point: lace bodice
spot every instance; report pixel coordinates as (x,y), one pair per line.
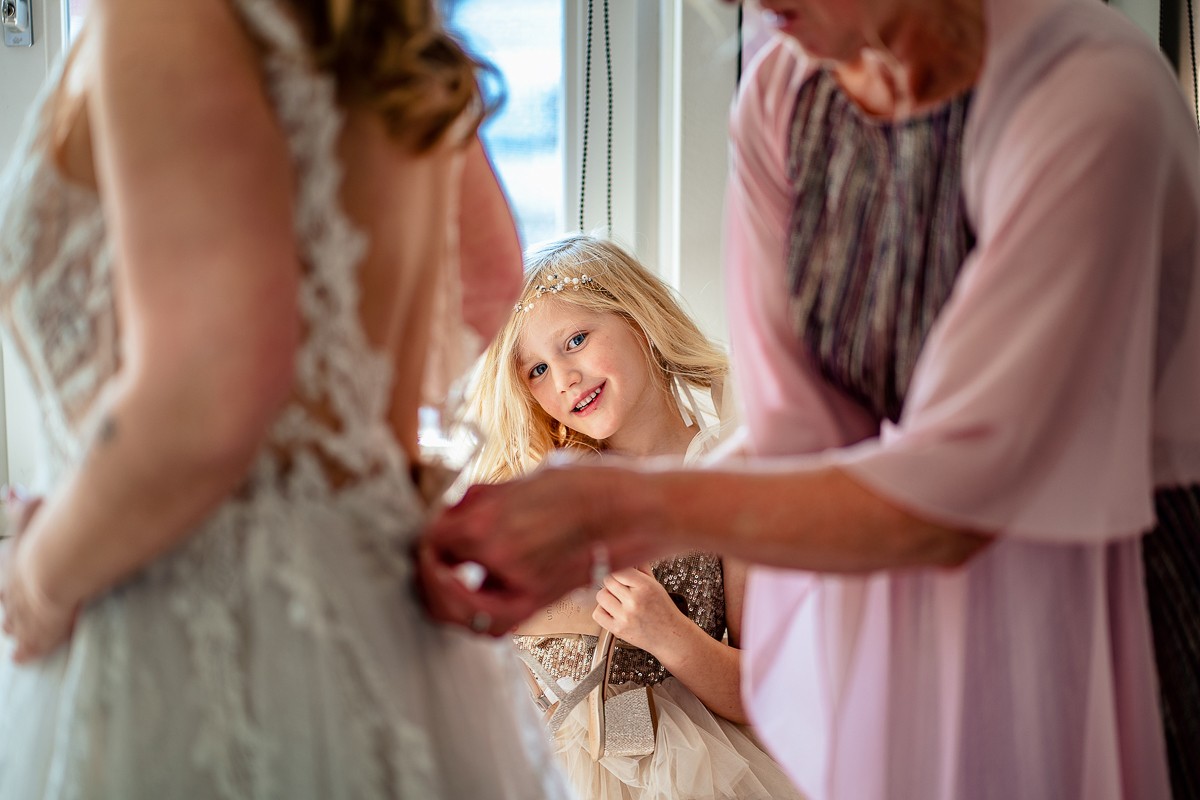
(56,290)
(695,582)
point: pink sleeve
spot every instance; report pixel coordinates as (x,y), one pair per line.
(1031,411)
(787,408)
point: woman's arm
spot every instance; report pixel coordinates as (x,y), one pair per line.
(843,526)
(537,535)
(195,184)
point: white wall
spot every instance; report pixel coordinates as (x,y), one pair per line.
(23,69)
(699,77)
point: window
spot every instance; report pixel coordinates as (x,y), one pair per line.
(523,39)
(672,67)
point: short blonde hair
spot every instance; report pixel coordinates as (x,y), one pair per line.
(518,434)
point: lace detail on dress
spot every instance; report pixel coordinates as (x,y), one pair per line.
(336,363)
(228,745)
(55,286)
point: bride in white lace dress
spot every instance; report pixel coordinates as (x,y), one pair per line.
(229,261)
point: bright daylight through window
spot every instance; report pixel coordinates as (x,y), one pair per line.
(523,39)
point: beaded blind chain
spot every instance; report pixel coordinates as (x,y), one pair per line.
(587,108)
(1192,43)
(1170,42)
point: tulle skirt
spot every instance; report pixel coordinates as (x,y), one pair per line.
(697,756)
(282,655)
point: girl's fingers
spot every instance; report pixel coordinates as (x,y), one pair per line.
(630,576)
(620,585)
(607,601)
(603,618)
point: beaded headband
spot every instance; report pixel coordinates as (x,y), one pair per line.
(560,283)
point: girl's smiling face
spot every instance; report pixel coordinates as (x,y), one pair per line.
(590,371)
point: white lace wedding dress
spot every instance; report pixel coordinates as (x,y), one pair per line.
(279,653)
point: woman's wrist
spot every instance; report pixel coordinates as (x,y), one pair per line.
(672,495)
(642,519)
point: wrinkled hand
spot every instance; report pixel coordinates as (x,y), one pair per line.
(636,608)
(37,625)
(535,536)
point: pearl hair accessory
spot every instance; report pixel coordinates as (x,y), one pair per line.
(560,283)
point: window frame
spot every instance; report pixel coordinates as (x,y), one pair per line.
(670,138)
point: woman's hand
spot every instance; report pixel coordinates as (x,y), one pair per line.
(636,608)
(538,539)
(36,624)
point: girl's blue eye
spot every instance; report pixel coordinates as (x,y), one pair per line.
(576,340)
(537,371)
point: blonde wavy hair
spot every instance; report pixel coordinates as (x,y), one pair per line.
(394,57)
(518,434)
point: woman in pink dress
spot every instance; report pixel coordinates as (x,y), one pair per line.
(963,246)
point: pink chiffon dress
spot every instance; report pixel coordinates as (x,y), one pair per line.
(989,314)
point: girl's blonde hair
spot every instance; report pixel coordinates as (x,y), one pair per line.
(394,57)
(518,434)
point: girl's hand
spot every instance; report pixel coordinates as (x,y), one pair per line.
(37,625)
(636,608)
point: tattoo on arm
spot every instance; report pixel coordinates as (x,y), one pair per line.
(106,432)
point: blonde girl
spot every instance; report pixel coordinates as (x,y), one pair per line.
(599,357)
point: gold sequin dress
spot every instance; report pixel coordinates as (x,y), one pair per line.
(698,755)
